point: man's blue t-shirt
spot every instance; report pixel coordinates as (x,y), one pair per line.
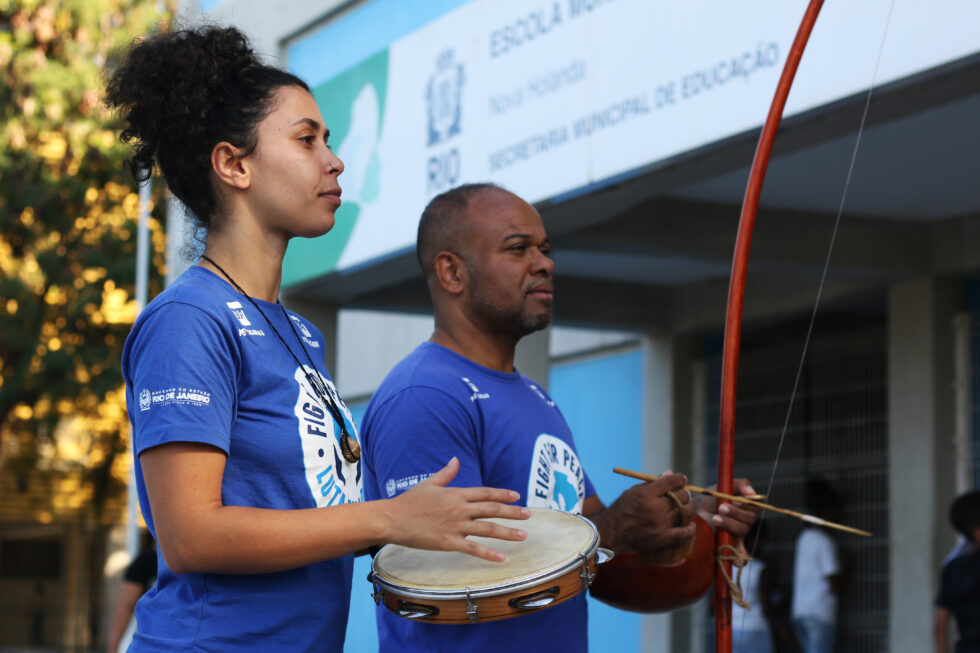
(202,365)
(507,433)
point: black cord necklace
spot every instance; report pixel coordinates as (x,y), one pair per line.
(348,445)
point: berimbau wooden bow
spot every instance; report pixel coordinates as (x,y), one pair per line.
(733,316)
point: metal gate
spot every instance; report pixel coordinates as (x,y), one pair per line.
(837,430)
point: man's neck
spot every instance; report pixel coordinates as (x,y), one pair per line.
(493,352)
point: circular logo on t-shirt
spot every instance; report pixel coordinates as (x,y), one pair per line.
(557,480)
(331,478)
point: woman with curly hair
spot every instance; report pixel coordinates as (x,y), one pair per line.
(247,460)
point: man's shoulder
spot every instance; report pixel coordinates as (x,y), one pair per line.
(967,563)
(427,368)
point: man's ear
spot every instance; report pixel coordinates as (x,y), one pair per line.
(450,271)
(229,167)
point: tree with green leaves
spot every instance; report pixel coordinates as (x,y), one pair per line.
(68,232)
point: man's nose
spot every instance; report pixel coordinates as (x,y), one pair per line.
(543,264)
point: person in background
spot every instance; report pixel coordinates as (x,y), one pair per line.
(38,611)
(751,628)
(959,585)
(139,576)
(247,461)
(817,573)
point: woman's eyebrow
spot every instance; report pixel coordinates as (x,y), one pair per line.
(315,124)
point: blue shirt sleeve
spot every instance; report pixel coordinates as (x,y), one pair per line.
(183,370)
(414,434)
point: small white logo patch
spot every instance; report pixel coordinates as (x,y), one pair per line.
(476,391)
(236,309)
(543,396)
(307,336)
(393,486)
(176,395)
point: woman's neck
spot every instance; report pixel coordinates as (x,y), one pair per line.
(252,264)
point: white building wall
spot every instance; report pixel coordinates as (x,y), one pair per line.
(370,343)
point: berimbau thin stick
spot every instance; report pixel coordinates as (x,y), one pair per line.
(730,497)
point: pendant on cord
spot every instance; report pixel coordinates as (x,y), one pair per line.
(349,448)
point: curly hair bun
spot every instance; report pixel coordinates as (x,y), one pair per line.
(180,93)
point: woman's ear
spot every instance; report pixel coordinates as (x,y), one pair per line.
(450,270)
(228,165)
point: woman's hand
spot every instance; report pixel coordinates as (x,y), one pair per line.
(432,516)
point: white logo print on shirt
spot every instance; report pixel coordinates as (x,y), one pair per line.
(307,336)
(544,398)
(331,479)
(239,313)
(236,308)
(556,480)
(476,391)
(178,395)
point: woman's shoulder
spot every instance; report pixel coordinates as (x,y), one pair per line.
(197,290)
(196,301)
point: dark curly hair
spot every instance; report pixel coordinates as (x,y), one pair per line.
(181,93)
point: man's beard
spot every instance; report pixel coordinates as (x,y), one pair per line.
(520,321)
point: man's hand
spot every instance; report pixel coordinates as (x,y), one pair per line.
(644,518)
(736,518)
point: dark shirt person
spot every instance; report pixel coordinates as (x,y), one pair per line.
(139,576)
(959,586)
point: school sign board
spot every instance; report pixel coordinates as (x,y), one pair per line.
(545,97)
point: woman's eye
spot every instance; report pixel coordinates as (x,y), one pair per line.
(307,139)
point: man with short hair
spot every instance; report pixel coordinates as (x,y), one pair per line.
(486,259)
(959,584)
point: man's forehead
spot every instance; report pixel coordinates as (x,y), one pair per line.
(500,213)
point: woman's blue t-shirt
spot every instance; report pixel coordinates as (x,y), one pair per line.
(203,365)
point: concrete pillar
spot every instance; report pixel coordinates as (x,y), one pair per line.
(369,344)
(667,444)
(963,386)
(533,357)
(921,428)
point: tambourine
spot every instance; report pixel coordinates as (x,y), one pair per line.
(555,562)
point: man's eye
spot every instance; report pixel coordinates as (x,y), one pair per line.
(307,139)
